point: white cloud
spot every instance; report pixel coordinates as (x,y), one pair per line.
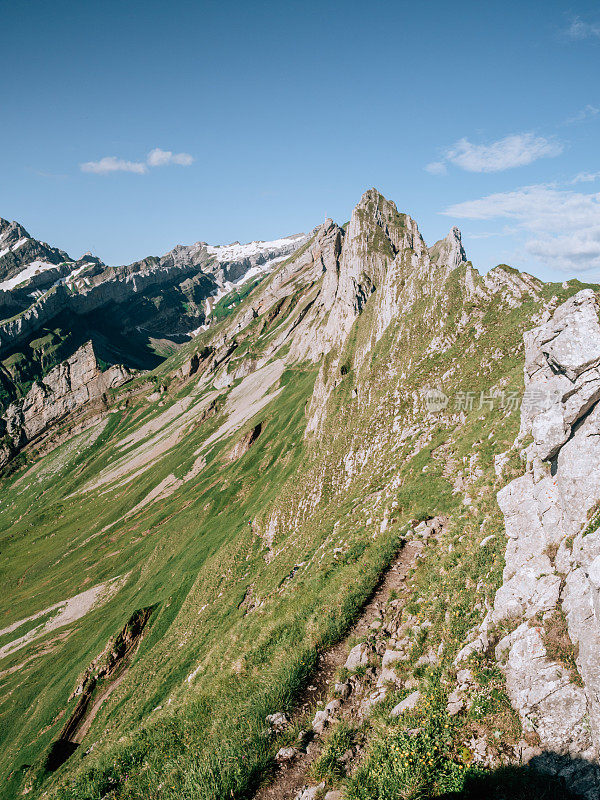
(589,112)
(160,158)
(579,29)
(579,250)
(516,150)
(155,158)
(436,168)
(486,234)
(113,164)
(561,227)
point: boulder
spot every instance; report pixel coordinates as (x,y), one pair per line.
(455,703)
(278,721)
(343,690)
(357,657)
(321,721)
(310,792)
(408,704)
(286,754)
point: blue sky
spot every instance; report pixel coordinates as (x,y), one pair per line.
(126,128)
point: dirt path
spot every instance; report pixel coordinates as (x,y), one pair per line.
(289,779)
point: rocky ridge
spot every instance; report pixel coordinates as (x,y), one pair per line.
(450,250)
(344,340)
(51,304)
(90,285)
(549,596)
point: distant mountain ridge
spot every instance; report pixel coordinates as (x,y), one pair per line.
(134,314)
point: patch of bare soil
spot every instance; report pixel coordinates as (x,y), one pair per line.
(66,612)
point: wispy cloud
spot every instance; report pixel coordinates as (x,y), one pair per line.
(436,168)
(516,150)
(155,158)
(561,227)
(580,29)
(587,113)
(487,234)
(586,177)
(113,164)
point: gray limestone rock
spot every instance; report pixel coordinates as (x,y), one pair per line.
(552,560)
(66,388)
(357,657)
(407,704)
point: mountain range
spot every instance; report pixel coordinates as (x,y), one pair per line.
(308,518)
(50,303)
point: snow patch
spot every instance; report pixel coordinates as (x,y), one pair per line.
(236,251)
(76,272)
(27,273)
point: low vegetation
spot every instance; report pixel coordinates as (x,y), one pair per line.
(255,566)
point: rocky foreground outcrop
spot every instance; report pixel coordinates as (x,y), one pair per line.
(66,388)
(549,604)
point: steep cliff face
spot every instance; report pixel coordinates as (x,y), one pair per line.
(549,596)
(69,386)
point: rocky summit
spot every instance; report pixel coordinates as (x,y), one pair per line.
(310,518)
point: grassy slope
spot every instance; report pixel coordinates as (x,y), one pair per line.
(455,579)
(197,556)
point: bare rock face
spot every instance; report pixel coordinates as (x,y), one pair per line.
(562,372)
(376,235)
(67,387)
(552,567)
(449,251)
(511,284)
(246,442)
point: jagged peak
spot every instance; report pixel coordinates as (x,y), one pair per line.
(372,195)
(375,212)
(372,200)
(12,230)
(449,251)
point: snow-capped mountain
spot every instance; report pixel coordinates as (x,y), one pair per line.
(135,314)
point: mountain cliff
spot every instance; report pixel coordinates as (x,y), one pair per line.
(276,565)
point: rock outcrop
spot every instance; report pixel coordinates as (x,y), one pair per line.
(66,388)
(550,593)
(449,251)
